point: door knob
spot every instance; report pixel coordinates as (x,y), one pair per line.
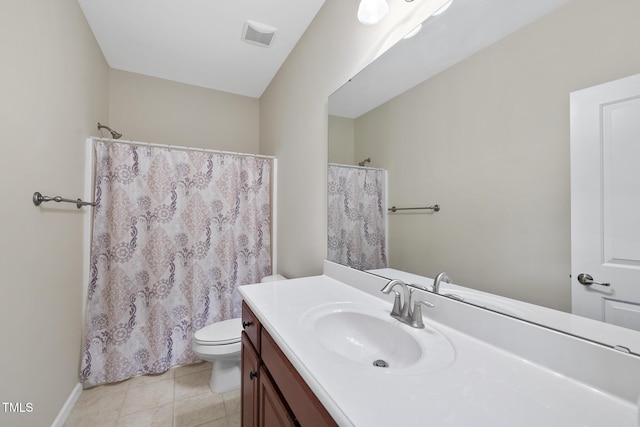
(587,280)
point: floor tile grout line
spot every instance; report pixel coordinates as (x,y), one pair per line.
(119,418)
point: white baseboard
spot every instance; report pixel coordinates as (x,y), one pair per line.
(68,406)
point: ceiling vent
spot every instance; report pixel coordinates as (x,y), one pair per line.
(256,33)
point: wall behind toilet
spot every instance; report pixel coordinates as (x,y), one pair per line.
(150,109)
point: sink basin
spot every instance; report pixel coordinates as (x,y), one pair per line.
(366,336)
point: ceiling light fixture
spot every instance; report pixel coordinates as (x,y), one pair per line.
(371,12)
(443,8)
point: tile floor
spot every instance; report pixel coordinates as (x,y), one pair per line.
(178,398)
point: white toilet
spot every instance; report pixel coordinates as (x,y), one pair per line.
(220,343)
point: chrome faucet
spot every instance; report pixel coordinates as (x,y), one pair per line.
(402,308)
(441,277)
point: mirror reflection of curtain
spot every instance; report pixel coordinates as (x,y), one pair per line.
(356,217)
(174,234)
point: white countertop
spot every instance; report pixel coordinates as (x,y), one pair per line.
(483,386)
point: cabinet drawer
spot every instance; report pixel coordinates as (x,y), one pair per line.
(251,326)
(303,402)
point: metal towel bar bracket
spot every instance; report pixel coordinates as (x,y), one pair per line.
(434,208)
(39,198)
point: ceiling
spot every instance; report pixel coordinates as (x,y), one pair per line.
(198,41)
(465,28)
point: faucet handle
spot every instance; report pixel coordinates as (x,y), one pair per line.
(416,316)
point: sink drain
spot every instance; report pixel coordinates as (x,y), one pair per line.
(380,363)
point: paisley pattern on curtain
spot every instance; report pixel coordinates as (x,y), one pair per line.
(356,217)
(174,234)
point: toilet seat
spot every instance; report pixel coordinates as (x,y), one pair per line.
(220,333)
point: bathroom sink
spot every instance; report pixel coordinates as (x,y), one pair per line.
(365,335)
(366,339)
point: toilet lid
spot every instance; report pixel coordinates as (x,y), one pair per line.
(225,332)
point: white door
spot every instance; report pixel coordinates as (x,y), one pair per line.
(605,202)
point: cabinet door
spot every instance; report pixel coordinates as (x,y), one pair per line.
(299,397)
(249,383)
(273,411)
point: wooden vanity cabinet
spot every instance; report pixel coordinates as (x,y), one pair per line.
(249,388)
(273,411)
(273,393)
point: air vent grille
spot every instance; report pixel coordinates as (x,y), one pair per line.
(256,33)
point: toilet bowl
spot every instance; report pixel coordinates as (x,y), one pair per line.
(220,343)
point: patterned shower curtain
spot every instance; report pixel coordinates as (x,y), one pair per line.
(174,234)
(356,217)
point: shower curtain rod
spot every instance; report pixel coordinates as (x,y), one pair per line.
(182,148)
(356,167)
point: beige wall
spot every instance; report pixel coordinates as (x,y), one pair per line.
(341,139)
(149,109)
(293,118)
(54,85)
(488,140)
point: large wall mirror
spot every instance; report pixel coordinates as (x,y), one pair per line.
(472,113)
